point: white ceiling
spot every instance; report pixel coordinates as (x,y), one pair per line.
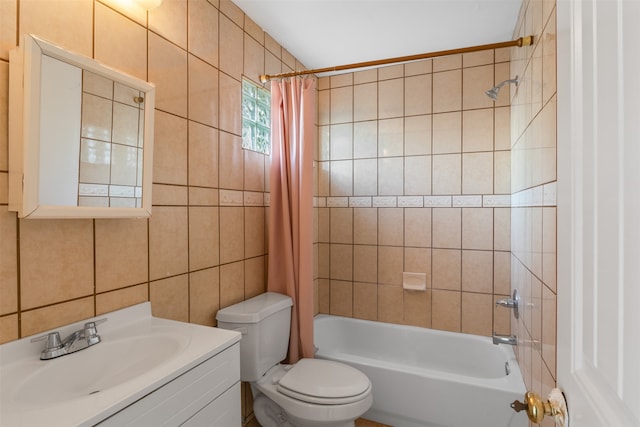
(327,33)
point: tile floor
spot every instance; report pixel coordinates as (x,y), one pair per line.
(360,422)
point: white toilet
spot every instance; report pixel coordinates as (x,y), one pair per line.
(312,392)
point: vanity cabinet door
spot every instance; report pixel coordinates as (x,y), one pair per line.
(222,412)
(176,402)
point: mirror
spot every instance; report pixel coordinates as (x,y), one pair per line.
(80,136)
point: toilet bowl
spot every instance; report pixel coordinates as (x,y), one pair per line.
(309,393)
(315,392)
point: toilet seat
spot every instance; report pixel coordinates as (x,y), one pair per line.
(324,382)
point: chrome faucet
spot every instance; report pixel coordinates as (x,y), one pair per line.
(78,340)
(505,339)
(513,303)
(507,303)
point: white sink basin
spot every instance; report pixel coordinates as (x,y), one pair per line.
(98,368)
(138,354)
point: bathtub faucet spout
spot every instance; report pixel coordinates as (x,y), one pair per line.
(505,339)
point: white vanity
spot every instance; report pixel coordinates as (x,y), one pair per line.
(146,371)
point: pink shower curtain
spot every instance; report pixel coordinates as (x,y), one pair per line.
(291,208)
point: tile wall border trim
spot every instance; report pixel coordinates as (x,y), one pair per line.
(541,195)
(243,198)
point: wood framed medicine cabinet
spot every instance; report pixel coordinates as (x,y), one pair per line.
(80,136)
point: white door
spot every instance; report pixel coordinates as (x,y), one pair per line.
(599,211)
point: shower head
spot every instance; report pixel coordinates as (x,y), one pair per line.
(493,92)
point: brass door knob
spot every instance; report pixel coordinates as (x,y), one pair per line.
(537,408)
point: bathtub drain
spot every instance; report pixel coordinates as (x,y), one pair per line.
(507,369)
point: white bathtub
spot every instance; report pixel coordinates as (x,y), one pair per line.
(423,377)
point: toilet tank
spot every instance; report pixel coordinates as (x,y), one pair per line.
(264,321)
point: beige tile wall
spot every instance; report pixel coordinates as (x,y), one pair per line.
(204,246)
(413,169)
(533,178)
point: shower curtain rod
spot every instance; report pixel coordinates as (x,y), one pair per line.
(522,41)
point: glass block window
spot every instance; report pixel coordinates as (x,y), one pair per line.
(256,118)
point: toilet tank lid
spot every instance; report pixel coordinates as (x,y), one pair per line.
(254,309)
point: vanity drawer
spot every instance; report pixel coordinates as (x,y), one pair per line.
(222,412)
(177,401)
